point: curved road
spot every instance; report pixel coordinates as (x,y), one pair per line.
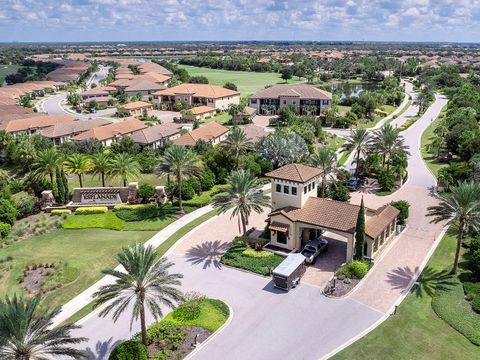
(302,324)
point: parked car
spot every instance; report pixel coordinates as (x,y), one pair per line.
(354,183)
(313,249)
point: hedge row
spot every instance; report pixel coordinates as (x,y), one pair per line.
(101,221)
(91,210)
(61,212)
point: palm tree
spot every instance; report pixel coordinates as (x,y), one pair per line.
(145,283)
(101,164)
(180,162)
(461,207)
(26,331)
(236,144)
(77,164)
(46,164)
(243,196)
(356,141)
(387,142)
(326,160)
(125,167)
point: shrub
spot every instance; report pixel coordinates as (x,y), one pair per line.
(256,254)
(146,212)
(354,269)
(128,207)
(403,206)
(8,212)
(472,294)
(146,191)
(129,350)
(60,212)
(195,184)
(169,335)
(4,230)
(386,181)
(339,192)
(207,179)
(187,190)
(24,203)
(91,210)
(187,311)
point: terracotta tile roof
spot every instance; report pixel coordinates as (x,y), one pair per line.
(202,110)
(295,172)
(330,214)
(36,122)
(100,99)
(7,100)
(100,90)
(207,132)
(105,132)
(14,110)
(155,133)
(302,91)
(143,85)
(379,222)
(153,67)
(254,132)
(278,226)
(124,76)
(136,105)
(8,117)
(72,128)
(198,90)
(155,77)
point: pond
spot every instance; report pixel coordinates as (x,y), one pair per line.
(347,89)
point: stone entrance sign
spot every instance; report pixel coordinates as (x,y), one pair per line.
(100,196)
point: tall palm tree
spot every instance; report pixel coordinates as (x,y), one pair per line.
(179,162)
(26,332)
(326,160)
(46,164)
(236,143)
(145,283)
(243,196)
(357,141)
(387,141)
(77,164)
(461,207)
(101,164)
(124,166)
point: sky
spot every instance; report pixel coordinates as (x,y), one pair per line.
(184,20)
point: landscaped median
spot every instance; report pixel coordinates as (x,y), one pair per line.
(178,333)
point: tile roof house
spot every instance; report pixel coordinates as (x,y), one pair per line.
(134,108)
(298,214)
(211,132)
(30,125)
(201,112)
(109,134)
(191,95)
(156,135)
(142,86)
(254,132)
(99,91)
(303,98)
(61,132)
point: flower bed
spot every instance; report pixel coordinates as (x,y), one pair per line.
(262,264)
(346,278)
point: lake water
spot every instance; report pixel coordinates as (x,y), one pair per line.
(347,90)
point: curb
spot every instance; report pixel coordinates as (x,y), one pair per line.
(211,337)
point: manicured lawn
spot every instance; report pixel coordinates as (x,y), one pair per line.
(107,220)
(343,159)
(7,70)
(221,118)
(90,180)
(213,314)
(264,265)
(161,250)
(334,142)
(416,332)
(88,250)
(247,82)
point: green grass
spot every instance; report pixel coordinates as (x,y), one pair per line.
(160,251)
(334,142)
(106,220)
(343,110)
(343,159)
(264,266)
(428,157)
(221,118)
(7,70)
(416,332)
(247,82)
(212,316)
(88,250)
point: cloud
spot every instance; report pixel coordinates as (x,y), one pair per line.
(78,20)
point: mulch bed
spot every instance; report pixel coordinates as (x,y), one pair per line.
(33,278)
(341,288)
(187,347)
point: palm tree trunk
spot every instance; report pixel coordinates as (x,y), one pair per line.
(179,182)
(103,179)
(51,178)
(80,179)
(459,246)
(244,224)
(358,159)
(143,324)
(124,182)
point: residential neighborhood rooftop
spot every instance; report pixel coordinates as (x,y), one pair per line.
(199,90)
(302,91)
(206,132)
(110,131)
(295,172)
